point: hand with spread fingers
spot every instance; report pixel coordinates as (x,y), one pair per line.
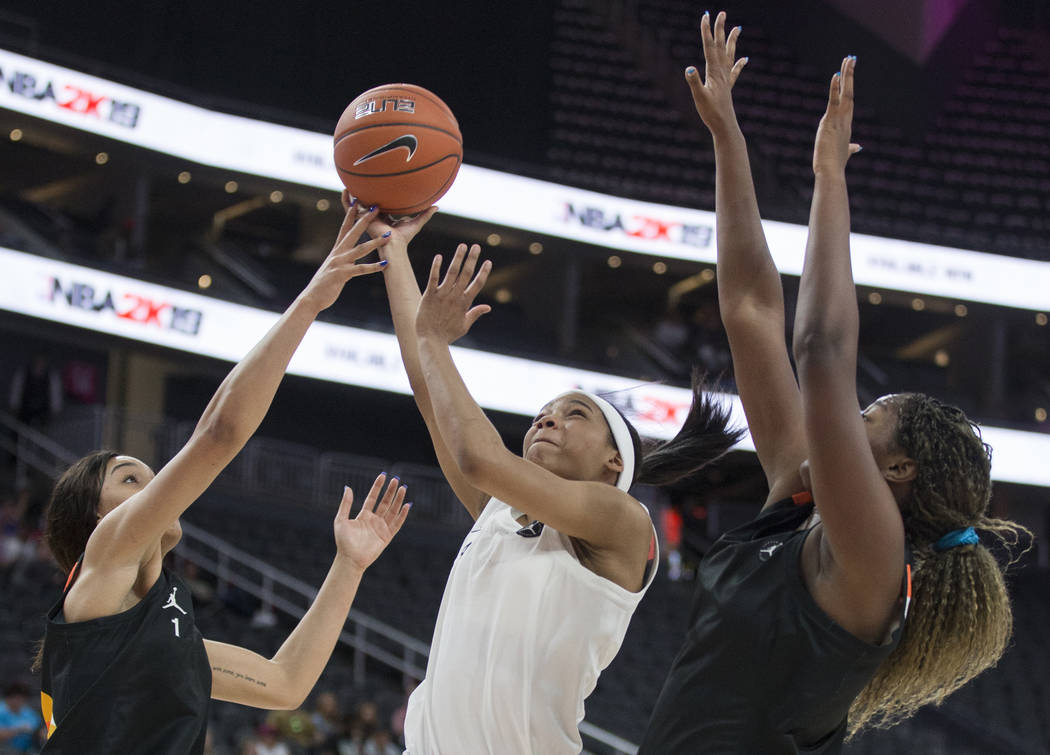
(342,262)
(446,310)
(833,146)
(713,95)
(363,537)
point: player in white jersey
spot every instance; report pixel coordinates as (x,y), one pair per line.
(546,581)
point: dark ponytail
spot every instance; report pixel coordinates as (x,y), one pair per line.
(72,512)
(704,438)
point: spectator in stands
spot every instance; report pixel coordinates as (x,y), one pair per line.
(296,727)
(327,719)
(671,331)
(20,725)
(124,667)
(267,741)
(540,596)
(796,635)
(381,743)
(397,718)
(36,392)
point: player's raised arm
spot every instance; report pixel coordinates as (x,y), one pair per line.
(863,531)
(750,295)
(404,295)
(284,681)
(131,533)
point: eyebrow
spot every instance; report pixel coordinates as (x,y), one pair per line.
(582,403)
(122,464)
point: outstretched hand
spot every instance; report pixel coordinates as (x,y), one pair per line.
(341,264)
(713,96)
(364,537)
(833,146)
(446,309)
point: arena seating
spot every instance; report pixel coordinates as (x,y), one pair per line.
(976,178)
(404,588)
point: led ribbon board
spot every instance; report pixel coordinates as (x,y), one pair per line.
(250,146)
(128,308)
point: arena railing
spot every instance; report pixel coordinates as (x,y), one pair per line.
(282,470)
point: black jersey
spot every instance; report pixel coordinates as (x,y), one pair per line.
(763,669)
(134,682)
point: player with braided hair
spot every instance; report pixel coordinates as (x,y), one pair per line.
(960,619)
(807,624)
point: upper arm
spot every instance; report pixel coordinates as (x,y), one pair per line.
(125,535)
(239,675)
(597,513)
(863,530)
(768,392)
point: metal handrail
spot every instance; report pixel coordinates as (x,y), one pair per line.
(361,624)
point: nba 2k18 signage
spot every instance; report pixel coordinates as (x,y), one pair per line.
(129,308)
(244,145)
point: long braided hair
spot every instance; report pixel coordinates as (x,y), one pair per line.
(960,618)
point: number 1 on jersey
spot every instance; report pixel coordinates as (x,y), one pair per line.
(175,621)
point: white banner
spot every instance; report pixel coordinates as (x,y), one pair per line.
(145,312)
(288,154)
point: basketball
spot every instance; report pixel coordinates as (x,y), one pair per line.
(398,146)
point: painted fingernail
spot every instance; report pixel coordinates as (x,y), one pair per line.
(354,202)
(690,70)
(408,505)
(386,235)
(384,263)
(746,59)
(372,208)
(739,29)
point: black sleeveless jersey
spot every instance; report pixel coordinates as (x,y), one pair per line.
(763,670)
(134,682)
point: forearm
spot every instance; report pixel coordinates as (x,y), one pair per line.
(244,397)
(827,316)
(305,653)
(463,426)
(404,295)
(746,273)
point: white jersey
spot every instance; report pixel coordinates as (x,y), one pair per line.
(523,631)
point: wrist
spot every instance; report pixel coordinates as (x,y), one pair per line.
(829,173)
(395,247)
(307,303)
(346,565)
(726,130)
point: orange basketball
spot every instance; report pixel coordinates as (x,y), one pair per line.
(398,146)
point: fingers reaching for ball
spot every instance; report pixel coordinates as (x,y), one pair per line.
(447,309)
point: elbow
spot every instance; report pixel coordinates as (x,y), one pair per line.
(218,433)
(474,463)
(291,701)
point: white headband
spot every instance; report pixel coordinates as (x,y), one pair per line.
(621,436)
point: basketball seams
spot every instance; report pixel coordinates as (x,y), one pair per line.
(414,124)
(414,185)
(401,172)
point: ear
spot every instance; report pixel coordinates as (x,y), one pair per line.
(900,469)
(615,462)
